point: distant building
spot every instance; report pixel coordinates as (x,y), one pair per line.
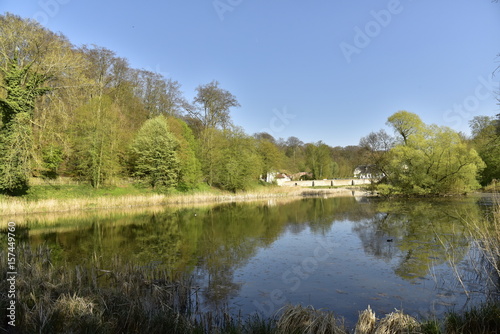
(278,177)
(368,172)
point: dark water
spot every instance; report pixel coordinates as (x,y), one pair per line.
(340,254)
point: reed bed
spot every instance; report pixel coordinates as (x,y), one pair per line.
(17,206)
(486,232)
(120,297)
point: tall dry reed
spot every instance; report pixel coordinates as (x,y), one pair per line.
(18,206)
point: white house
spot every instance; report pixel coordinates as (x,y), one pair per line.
(280,178)
(368,172)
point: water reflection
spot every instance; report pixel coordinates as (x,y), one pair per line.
(256,257)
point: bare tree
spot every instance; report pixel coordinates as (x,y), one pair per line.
(212,106)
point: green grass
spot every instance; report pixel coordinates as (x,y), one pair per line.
(40,192)
(478,320)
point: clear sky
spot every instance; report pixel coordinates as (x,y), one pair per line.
(330,70)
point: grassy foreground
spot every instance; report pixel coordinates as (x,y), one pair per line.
(64,198)
(126,298)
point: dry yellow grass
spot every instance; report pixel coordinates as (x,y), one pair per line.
(366,322)
(307,320)
(16,206)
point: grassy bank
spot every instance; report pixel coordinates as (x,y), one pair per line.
(127,298)
(64,198)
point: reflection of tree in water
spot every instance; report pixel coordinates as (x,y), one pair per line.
(232,234)
(374,236)
(216,241)
(160,240)
(421,234)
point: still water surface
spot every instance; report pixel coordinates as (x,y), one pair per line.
(340,254)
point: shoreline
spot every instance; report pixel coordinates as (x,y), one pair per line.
(20,206)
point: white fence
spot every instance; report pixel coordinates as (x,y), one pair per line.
(326,183)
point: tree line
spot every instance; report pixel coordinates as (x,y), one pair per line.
(83,112)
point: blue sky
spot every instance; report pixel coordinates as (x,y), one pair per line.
(330,70)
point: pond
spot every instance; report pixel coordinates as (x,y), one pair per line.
(340,254)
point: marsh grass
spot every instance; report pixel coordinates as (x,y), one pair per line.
(481,320)
(299,319)
(122,297)
(80,201)
(486,236)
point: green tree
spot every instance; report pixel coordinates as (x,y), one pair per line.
(486,140)
(52,158)
(271,156)
(190,174)
(320,161)
(16,155)
(294,151)
(95,157)
(212,105)
(236,161)
(406,124)
(154,157)
(32,60)
(432,160)
(348,158)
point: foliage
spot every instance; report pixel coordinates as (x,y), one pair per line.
(272,157)
(154,157)
(16,143)
(95,148)
(236,164)
(52,157)
(430,159)
(486,139)
(405,124)
(190,174)
(483,319)
(320,161)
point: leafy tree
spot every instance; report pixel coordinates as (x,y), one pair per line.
(107,115)
(433,160)
(271,156)
(348,158)
(486,139)
(236,161)
(52,157)
(406,124)
(154,157)
(190,174)
(16,155)
(211,113)
(319,160)
(95,157)
(295,152)
(32,59)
